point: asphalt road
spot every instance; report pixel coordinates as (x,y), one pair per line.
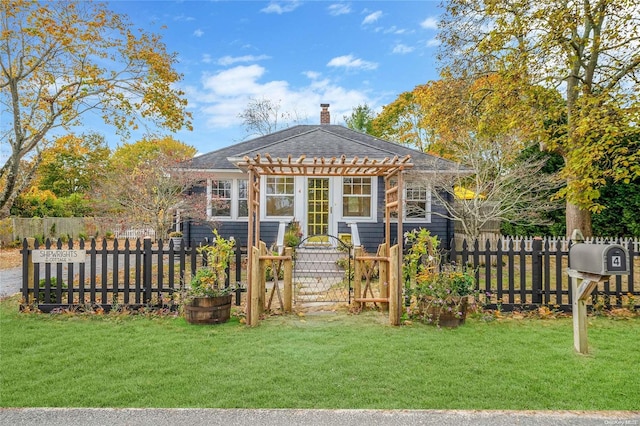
(173,417)
(10,281)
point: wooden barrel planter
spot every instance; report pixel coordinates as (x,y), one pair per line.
(208,310)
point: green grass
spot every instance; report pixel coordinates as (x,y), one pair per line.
(324,361)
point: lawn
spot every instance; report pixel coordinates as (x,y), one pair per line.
(314,361)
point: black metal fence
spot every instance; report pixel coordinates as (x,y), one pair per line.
(518,273)
(133,273)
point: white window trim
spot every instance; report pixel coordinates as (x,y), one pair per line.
(235,197)
(263,200)
(373,214)
(427,216)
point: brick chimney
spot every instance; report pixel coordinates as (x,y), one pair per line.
(325,117)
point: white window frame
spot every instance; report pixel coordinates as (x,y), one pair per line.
(263,198)
(238,199)
(373,208)
(210,198)
(405,199)
(234,200)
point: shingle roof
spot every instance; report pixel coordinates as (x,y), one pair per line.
(317,141)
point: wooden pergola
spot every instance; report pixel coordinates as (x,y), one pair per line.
(390,168)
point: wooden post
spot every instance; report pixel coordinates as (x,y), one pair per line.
(288,280)
(357,277)
(253,312)
(28,267)
(394,298)
(581,288)
(383,276)
(262,291)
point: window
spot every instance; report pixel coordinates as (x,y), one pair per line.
(280,196)
(243,195)
(417,201)
(356,197)
(221,198)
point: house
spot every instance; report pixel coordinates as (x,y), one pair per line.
(323,203)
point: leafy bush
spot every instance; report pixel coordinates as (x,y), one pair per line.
(52,294)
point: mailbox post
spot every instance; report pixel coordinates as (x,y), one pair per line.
(591,264)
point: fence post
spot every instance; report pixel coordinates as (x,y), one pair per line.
(536,273)
(383,274)
(238,264)
(28,244)
(357,277)
(395,307)
(147,268)
(288,281)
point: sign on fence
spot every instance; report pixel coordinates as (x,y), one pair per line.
(58,256)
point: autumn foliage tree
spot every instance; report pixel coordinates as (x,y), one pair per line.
(73,164)
(587,50)
(485,129)
(146,184)
(62,60)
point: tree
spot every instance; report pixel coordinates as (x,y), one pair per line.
(263,116)
(147,150)
(589,50)
(361,119)
(493,185)
(147,186)
(401,122)
(481,126)
(62,60)
(73,164)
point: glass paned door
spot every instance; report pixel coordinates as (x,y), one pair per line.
(318,208)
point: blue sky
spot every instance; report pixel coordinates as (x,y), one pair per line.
(297,53)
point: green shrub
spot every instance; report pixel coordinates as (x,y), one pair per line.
(52,293)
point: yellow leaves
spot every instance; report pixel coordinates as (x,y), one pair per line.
(58,44)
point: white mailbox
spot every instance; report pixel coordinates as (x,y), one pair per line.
(599,259)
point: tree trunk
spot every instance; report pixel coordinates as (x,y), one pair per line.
(578,219)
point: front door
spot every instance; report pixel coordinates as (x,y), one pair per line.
(318,210)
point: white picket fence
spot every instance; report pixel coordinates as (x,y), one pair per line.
(136,233)
(553,242)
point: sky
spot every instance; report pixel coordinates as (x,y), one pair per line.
(297,54)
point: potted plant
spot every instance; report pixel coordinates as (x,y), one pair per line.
(176,237)
(207,300)
(293,234)
(443,296)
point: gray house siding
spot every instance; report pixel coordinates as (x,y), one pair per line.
(323,141)
(371,233)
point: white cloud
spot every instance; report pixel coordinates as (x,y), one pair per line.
(183,18)
(206,58)
(349,61)
(402,49)
(281,7)
(198,33)
(312,75)
(230,60)
(430,23)
(434,42)
(372,17)
(224,95)
(339,9)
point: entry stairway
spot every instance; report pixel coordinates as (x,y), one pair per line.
(317,276)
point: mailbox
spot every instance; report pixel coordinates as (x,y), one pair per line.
(599,259)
